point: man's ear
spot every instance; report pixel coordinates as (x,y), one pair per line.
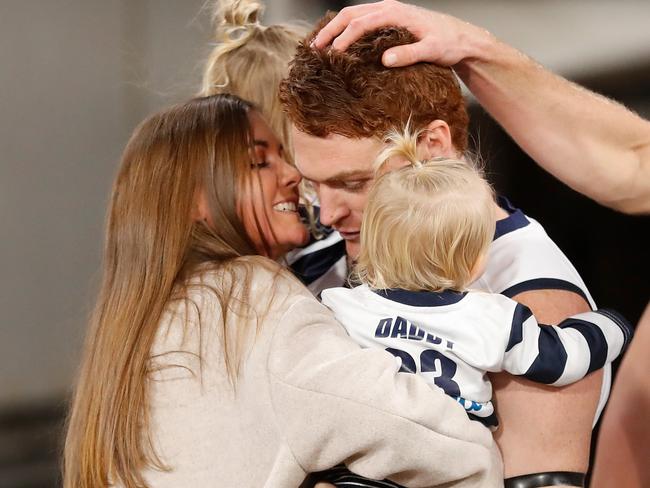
(435,141)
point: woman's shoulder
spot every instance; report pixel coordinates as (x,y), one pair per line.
(250,285)
(256,276)
(251,295)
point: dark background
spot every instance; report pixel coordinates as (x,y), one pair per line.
(608,249)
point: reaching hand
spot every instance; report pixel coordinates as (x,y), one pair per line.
(442,39)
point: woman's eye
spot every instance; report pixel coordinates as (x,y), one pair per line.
(260,165)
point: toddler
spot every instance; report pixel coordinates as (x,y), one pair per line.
(424,239)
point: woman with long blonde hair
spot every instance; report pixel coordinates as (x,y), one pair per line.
(207,364)
(249,59)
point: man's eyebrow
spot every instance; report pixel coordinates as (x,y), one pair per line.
(260,142)
(350,175)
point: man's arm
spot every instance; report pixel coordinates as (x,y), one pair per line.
(545,428)
(592,144)
(623,448)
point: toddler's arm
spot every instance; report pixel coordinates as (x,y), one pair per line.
(562,354)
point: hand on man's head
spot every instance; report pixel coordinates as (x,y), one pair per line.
(443,39)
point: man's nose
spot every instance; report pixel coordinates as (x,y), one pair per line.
(332,208)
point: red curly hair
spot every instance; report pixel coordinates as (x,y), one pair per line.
(352,94)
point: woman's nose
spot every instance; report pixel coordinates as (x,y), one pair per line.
(290,175)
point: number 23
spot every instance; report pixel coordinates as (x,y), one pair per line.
(431,361)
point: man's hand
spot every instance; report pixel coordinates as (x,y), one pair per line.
(442,39)
(595,146)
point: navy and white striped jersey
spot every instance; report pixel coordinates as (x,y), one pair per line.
(322,263)
(452,339)
(522,257)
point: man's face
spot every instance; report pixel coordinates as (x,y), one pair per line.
(340,170)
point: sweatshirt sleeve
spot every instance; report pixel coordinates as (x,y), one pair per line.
(562,354)
(337,403)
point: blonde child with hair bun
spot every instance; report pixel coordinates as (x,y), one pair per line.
(250,59)
(424,238)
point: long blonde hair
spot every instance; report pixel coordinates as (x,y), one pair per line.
(153,246)
(250,60)
(427,224)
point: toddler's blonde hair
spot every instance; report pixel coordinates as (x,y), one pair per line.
(427,224)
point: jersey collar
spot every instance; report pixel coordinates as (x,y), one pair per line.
(515,220)
(422,298)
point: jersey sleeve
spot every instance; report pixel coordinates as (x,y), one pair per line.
(562,354)
(321,264)
(337,403)
(523,258)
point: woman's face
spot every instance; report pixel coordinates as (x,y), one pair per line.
(269,204)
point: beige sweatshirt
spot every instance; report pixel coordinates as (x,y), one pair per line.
(306,398)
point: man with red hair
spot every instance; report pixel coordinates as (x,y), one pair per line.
(599,148)
(342,105)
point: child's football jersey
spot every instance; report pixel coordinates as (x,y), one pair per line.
(452,339)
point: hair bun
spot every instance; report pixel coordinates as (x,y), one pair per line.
(231,16)
(236,22)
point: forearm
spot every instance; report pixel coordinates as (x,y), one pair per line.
(623,449)
(592,144)
(561,355)
(546,428)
